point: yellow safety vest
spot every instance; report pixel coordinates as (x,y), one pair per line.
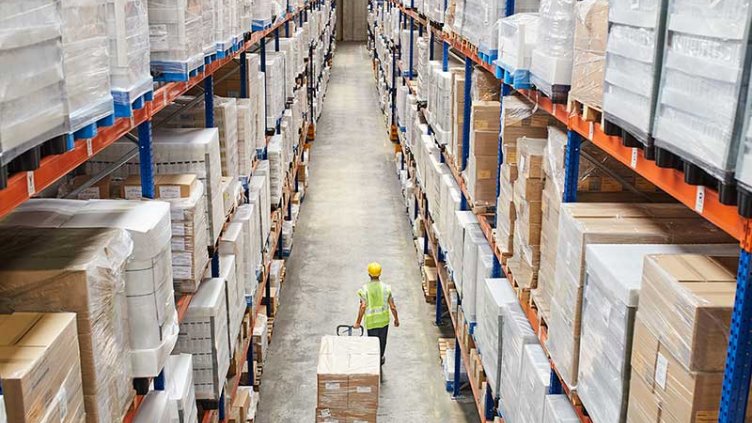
(376,296)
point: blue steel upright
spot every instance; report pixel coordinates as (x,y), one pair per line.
(439,296)
(466,112)
(146,162)
(738,370)
(445,57)
(457,362)
(243,76)
(572,166)
(430,44)
(159,381)
(412,46)
(209,101)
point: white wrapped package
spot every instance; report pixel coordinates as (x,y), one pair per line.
(535,378)
(178,374)
(226,119)
(558,409)
(275,86)
(464,221)
(189,240)
(498,294)
(610,299)
(483,272)
(552,58)
(203,334)
(262,14)
(175,37)
(516,333)
(246,136)
(232,242)
(156,407)
(30,113)
(247,216)
(274,152)
(152,317)
(474,240)
(288,47)
(128,31)
(208,27)
(261,184)
(225,22)
(259,95)
(234,298)
(518,35)
(86,63)
(449,202)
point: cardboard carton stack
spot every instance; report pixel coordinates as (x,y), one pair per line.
(348,379)
(178,373)
(589,60)
(482,165)
(582,224)
(527,196)
(40,367)
(78,271)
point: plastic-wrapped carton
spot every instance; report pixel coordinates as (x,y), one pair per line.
(589,62)
(176,36)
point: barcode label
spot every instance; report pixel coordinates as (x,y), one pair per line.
(700,199)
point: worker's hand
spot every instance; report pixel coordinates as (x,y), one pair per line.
(396,323)
(356,325)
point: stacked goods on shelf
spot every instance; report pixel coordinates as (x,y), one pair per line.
(248,217)
(527,200)
(551,67)
(41,368)
(259,191)
(275,87)
(583,224)
(274,152)
(518,35)
(128,32)
(152,317)
(30,115)
(464,222)
(260,338)
(155,407)
(178,374)
(287,229)
(743,165)
(245,17)
(610,300)
(558,409)
(176,38)
(287,47)
(449,203)
(680,336)
(516,333)
(232,191)
(535,379)
(348,377)
(458,116)
(243,405)
(408,54)
(589,60)
(185,193)
(493,297)
(246,136)
(519,119)
(78,271)
(482,164)
(234,293)
(476,256)
(633,68)
(85,63)
(423,53)
(262,14)
(203,334)
(208,27)
(225,21)
(707,50)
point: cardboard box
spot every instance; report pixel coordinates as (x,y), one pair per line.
(485,115)
(348,376)
(40,367)
(589,59)
(166,187)
(689,300)
(100,190)
(241,405)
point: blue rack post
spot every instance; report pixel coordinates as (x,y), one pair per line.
(243,76)
(738,369)
(445,57)
(262,67)
(457,360)
(572,166)
(146,163)
(410,59)
(467,110)
(439,293)
(430,44)
(209,101)
(159,382)
(221,405)
(276,39)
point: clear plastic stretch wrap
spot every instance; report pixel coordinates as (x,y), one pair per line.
(611,294)
(277,173)
(262,14)
(79,271)
(464,221)
(348,378)
(128,31)
(558,409)
(226,119)
(535,378)
(680,338)
(552,58)
(245,17)
(86,62)
(178,374)
(30,114)
(176,35)
(518,35)
(247,217)
(259,190)
(275,87)
(260,96)
(234,295)
(516,332)
(496,295)
(260,336)
(589,65)
(582,224)
(288,47)
(225,20)
(449,203)
(246,136)
(152,317)
(189,232)
(203,334)
(707,51)
(155,407)
(633,64)
(208,26)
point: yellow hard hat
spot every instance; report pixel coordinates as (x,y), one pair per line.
(374,270)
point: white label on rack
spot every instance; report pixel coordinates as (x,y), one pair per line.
(661,369)
(591,130)
(30,183)
(332,386)
(89,148)
(700,199)
(633,160)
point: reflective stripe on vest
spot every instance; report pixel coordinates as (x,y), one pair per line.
(376,296)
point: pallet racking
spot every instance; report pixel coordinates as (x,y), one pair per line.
(704,201)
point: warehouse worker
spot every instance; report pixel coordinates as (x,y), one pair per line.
(374,298)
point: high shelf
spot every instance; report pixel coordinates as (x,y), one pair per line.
(702,200)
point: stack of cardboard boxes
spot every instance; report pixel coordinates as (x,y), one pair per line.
(348,379)
(482,165)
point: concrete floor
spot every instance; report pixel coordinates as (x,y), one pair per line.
(353,214)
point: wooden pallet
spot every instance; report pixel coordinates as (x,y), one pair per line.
(588,112)
(430,298)
(523,294)
(270,328)
(444,345)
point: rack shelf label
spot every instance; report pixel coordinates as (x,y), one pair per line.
(700,199)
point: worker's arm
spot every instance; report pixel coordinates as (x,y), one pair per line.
(393,307)
(361,313)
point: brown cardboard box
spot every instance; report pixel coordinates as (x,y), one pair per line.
(167,187)
(589,59)
(530,157)
(241,404)
(485,143)
(431,279)
(690,299)
(99,191)
(78,271)
(40,366)
(485,115)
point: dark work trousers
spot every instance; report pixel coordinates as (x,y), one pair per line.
(381,334)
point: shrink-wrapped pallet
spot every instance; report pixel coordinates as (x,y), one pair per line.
(176,37)
(464,221)
(262,14)
(225,21)
(582,224)
(248,217)
(275,87)
(30,114)
(260,194)
(495,295)
(178,374)
(276,166)
(483,165)
(518,35)
(128,32)
(473,249)
(516,333)
(246,136)
(234,297)
(558,409)
(155,407)
(551,66)
(614,279)
(535,379)
(589,60)
(449,204)
(203,333)
(79,271)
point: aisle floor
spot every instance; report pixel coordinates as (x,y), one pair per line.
(353,214)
